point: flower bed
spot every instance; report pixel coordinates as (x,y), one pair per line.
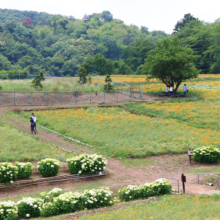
(8,210)
(156,188)
(97,198)
(8,173)
(206,154)
(29,207)
(86,164)
(24,170)
(49,196)
(65,203)
(48,167)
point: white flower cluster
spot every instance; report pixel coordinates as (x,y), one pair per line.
(8,173)
(24,170)
(49,196)
(206,154)
(8,210)
(48,167)
(87,164)
(158,187)
(29,205)
(97,198)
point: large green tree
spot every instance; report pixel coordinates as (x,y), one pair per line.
(170,63)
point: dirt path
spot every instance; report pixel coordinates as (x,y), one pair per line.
(119,175)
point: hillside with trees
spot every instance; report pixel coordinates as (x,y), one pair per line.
(58,45)
(31,42)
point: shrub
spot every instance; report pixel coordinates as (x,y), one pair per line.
(8,173)
(8,210)
(24,170)
(158,187)
(65,203)
(48,167)
(97,198)
(55,89)
(49,196)
(206,154)
(29,207)
(86,164)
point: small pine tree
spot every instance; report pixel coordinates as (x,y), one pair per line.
(90,80)
(108,86)
(36,82)
(82,75)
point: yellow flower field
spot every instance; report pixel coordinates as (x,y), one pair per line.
(116,132)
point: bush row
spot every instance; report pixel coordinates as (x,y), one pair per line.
(83,164)
(55,202)
(156,188)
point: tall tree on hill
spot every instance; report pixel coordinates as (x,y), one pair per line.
(170,63)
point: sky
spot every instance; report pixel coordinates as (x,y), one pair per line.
(154,14)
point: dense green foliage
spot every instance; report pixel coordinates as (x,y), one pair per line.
(34,41)
(170,63)
(59,45)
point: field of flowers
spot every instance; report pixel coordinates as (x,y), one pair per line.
(118,133)
(169,207)
(198,113)
(21,147)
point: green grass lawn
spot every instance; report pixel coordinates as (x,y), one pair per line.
(18,146)
(118,133)
(169,207)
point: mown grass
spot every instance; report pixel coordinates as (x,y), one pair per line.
(18,146)
(119,133)
(169,207)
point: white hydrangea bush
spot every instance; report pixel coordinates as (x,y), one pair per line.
(48,167)
(156,188)
(8,173)
(97,198)
(65,203)
(87,164)
(8,210)
(29,207)
(24,170)
(49,196)
(206,154)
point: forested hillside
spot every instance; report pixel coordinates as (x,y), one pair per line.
(33,41)
(59,45)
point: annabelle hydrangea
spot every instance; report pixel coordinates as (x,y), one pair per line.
(48,167)
(158,187)
(8,173)
(49,196)
(86,164)
(29,207)
(65,203)
(97,198)
(24,170)
(8,210)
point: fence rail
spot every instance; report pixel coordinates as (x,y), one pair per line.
(44,98)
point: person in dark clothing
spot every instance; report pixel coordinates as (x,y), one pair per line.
(32,125)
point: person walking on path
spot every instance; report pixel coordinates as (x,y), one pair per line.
(35,122)
(166,90)
(32,125)
(185,89)
(171,91)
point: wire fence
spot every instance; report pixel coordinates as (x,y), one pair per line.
(44,98)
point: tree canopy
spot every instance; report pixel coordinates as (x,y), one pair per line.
(171,63)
